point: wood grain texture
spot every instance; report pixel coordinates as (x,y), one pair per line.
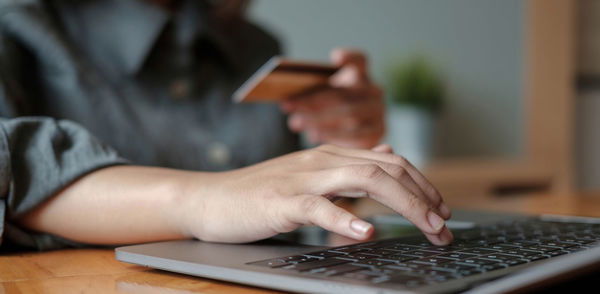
(97,271)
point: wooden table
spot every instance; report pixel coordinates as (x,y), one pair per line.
(97,271)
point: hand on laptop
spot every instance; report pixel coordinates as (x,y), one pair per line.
(350,112)
(284,193)
(135,204)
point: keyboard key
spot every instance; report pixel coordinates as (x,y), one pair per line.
(369,244)
(514,262)
(382,252)
(575,248)
(479,251)
(454,267)
(397,258)
(557,244)
(521,252)
(569,239)
(477,261)
(403,247)
(470,272)
(457,255)
(372,262)
(442,249)
(493,267)
(418,266)
(359,256)
(540,248)
(432,260)
(421,253)
(502,246)
(322,254)
(341,269)
(346,250)
(273,263)
(299,259)
(315,264)
(499,256)
(399,267)
(536,257)
(555,253)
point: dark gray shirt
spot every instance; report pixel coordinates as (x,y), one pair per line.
(91,83)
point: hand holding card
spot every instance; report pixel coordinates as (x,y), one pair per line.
(336,104)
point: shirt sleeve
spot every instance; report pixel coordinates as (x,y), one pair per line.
(38,157)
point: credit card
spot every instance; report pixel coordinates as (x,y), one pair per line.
(281,78)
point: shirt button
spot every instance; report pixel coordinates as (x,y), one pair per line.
(218,153)
(179,89)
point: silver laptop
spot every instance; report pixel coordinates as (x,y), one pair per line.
(492,253)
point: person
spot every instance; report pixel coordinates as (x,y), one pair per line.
(116,127)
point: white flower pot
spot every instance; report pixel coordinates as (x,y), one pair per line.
(409,132)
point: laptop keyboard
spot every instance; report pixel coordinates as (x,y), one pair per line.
(414,262)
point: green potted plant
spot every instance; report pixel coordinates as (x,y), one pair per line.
(415,95)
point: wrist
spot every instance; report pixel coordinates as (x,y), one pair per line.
(190,197)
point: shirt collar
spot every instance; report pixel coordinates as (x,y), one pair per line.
(118,32)
(121,33)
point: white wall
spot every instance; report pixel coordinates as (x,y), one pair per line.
(476,43)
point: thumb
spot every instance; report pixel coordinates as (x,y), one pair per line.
(343,57)
(383,148)
(318,210)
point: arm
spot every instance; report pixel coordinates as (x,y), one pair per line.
(119,204)
(137,204)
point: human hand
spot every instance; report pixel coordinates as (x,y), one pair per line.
(284,193)
(348,112)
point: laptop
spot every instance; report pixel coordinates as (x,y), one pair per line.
(492,253)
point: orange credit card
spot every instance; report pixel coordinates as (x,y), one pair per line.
(281,78)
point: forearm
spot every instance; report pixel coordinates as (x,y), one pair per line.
(117,205)
(126,204)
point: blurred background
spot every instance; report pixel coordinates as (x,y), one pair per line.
(508,98)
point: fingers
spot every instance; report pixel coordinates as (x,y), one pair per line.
(317,210)
(337,129)
(380,186)
(339,118)
(443,238)
(344,57)
(328,158)
(339,115)
(430,191)
(397,172)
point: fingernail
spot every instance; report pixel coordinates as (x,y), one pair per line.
(445,210)
(446,236)
(435,221)
(360,227)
